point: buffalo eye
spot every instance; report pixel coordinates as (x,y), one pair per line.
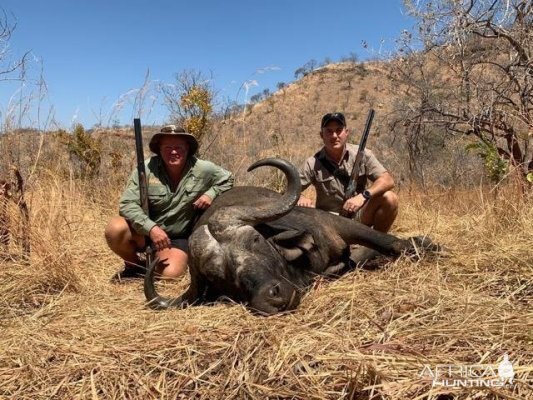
(274,291)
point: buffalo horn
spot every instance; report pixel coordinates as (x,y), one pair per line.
(227,219)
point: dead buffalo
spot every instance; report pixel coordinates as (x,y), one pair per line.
(255,246)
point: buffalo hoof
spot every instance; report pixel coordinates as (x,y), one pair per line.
(363,257)
(423,244)
(335,271)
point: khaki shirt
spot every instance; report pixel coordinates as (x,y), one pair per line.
(329,190)
(172,211)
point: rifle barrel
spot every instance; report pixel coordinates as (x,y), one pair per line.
(355,183)
(141,171)
(368,124)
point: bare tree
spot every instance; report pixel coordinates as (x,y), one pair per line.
(306,69)
(190,101)
(350,58)
(468,70)
(9,69)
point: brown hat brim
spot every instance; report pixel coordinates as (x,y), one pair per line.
(191,140)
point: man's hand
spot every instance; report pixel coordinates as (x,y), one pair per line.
(203,202)
(159,238)
(305,202)
(353,204)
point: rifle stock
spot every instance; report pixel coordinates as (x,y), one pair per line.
(357,183)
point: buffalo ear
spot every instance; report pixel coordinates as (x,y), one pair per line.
(292,244)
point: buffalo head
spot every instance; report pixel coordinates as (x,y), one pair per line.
(229,257)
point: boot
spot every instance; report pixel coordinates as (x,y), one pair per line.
(130,271)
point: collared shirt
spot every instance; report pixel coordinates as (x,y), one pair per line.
(329,189)
(172,211)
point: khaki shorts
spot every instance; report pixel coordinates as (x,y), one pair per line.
(182,244)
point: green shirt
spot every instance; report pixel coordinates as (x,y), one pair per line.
(172,211)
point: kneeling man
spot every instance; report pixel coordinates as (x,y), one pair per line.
(329,171)
(180,186)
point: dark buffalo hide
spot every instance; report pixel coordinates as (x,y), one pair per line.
(255,246)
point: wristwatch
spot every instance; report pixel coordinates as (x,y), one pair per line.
(366,194)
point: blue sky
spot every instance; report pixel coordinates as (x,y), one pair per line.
(93,52)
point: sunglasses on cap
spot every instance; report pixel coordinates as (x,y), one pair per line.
(172,129)
(339,117)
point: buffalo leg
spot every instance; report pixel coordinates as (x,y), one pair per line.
(356,233)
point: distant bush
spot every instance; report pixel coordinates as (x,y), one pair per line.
(84,151)
(256,98)
(299,73)
(495,166)
(306,69)
(352,57)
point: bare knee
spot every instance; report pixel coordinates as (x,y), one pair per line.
(387,209)
(381,211)
(174,263)
(119,235)
(115,230)
(390,201)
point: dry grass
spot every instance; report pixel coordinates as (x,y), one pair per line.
(69,334)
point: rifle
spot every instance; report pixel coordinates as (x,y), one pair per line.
(357,183)
(143,184)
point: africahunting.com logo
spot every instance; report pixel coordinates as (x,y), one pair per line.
(477,375)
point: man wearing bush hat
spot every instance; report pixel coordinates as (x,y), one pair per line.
(329,171)
(179,186)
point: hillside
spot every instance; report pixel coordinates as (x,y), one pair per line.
(287,124)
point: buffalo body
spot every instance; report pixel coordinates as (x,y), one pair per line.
(254,246)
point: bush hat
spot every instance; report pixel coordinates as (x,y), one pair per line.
(339,117)
(173,130)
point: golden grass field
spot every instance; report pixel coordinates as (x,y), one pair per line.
(67,333)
